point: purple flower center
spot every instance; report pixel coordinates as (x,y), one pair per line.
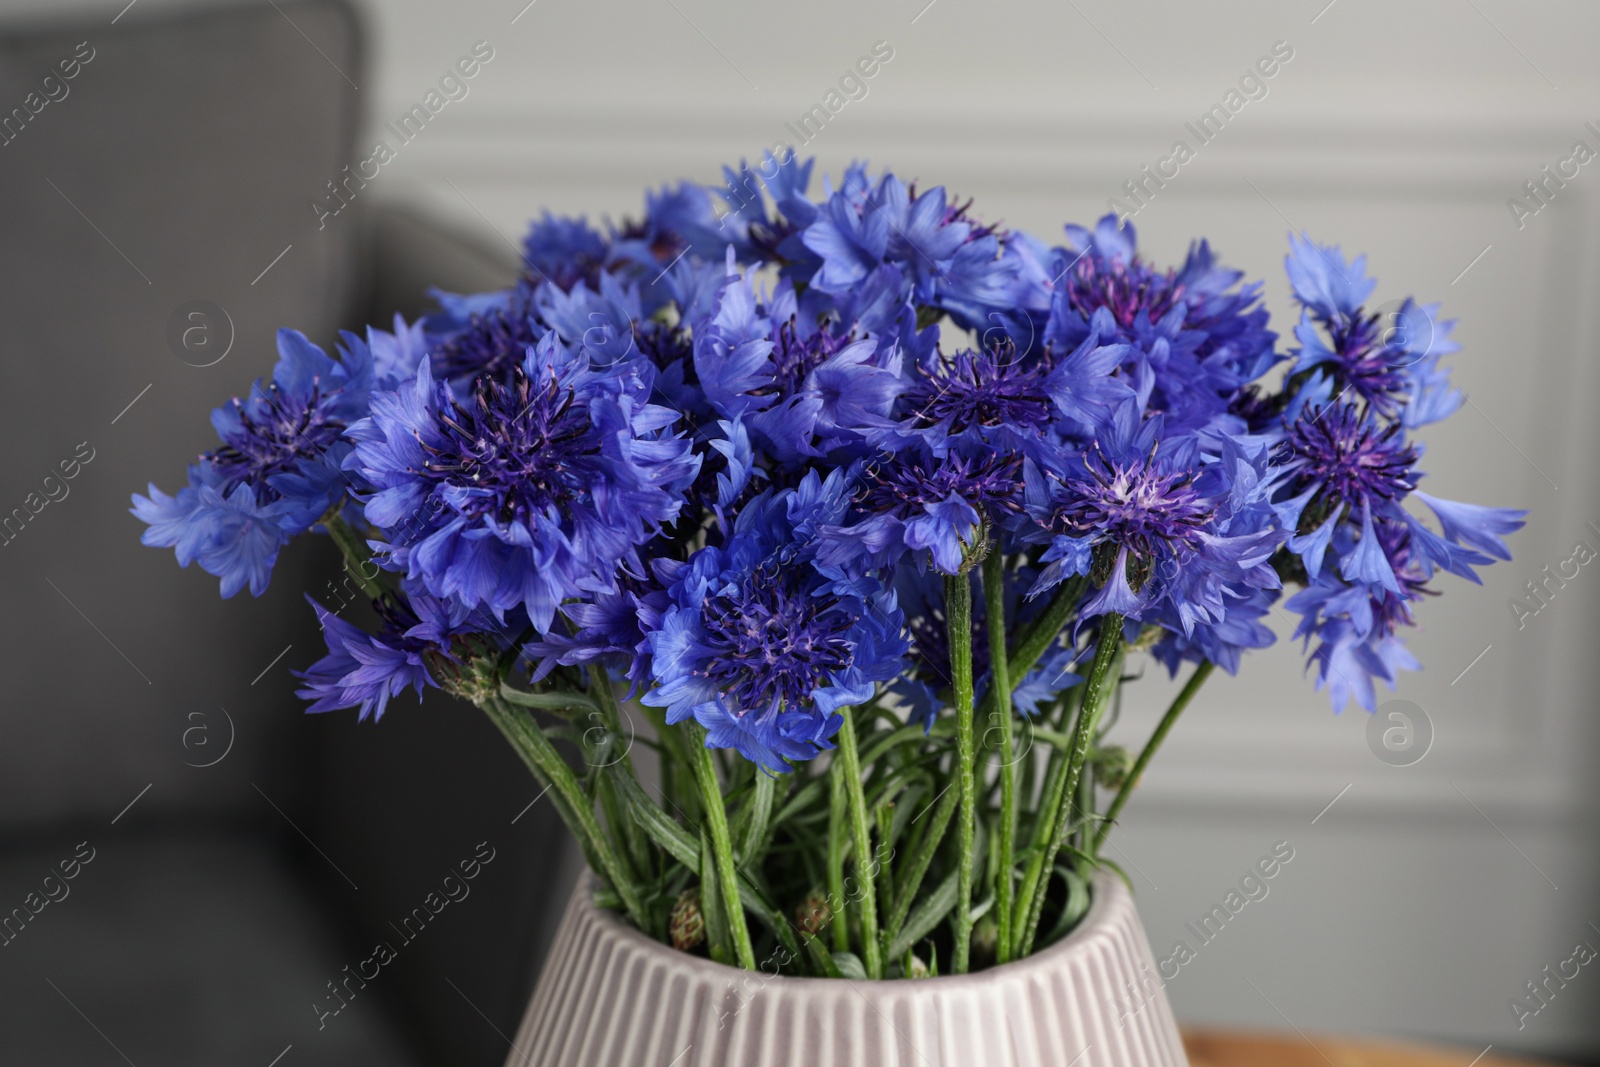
(491,343)
(275,430)
(1135,504)
(665,345)
(1124,289)
(522,445)
(902,486)
(1350,457)
(765,237)
(1368,365)
(774,644)
(961,213)
(986,390)
(793,359)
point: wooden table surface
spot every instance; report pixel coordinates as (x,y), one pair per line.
(1235,1048)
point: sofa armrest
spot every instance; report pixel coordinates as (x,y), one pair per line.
(409,253)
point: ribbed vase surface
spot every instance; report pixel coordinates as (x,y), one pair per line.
(611,997)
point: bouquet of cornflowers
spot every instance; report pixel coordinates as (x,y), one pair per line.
(865,505)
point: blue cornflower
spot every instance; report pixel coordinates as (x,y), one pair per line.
(914,501)
(541,487)
(977,399)
(1355,625)
(564,251)
(1348,467)
(745,225)
(1343,464)
(1195,337)
(363,670)
(1324,282)
(830,391)
(1388,360)
(1366,559)
(1166,529)
(1224,641)
(275,473)
(491,340)
(677,217)
(801,389)
(762,649)
(611,629)
(949,261)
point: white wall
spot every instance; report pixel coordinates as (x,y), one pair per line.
(1424,899)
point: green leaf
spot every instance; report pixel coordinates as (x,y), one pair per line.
(810,793)
(850,966)
(821,958)
(878,744)
(926,915)
(679,843)
(1077,903)
(755,818)
(911,875)
(1101,861)
(562,703)
(718,937)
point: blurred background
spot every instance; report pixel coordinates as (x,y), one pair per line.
(244,853)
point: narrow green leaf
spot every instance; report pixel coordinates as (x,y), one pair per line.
(821,958)
(718,937)
(559,702)
(755,817)
(1077,904)
(679,843)
(850,966)
(926,915)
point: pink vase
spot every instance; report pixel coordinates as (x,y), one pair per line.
(612,997)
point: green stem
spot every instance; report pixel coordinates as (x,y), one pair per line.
(705,772)
(1181,701)
(838,814)
(1036,883)
(958,619)
(1038,637)
(354,547)
(610,711)
(885,815)
(618,762)
(675,761)
(546,763)
(994,596)
(861,840)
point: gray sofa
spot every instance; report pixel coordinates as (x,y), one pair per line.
(191,869)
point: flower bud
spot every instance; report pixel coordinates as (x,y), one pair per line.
(1111,765)
(813,915)
(688,921)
